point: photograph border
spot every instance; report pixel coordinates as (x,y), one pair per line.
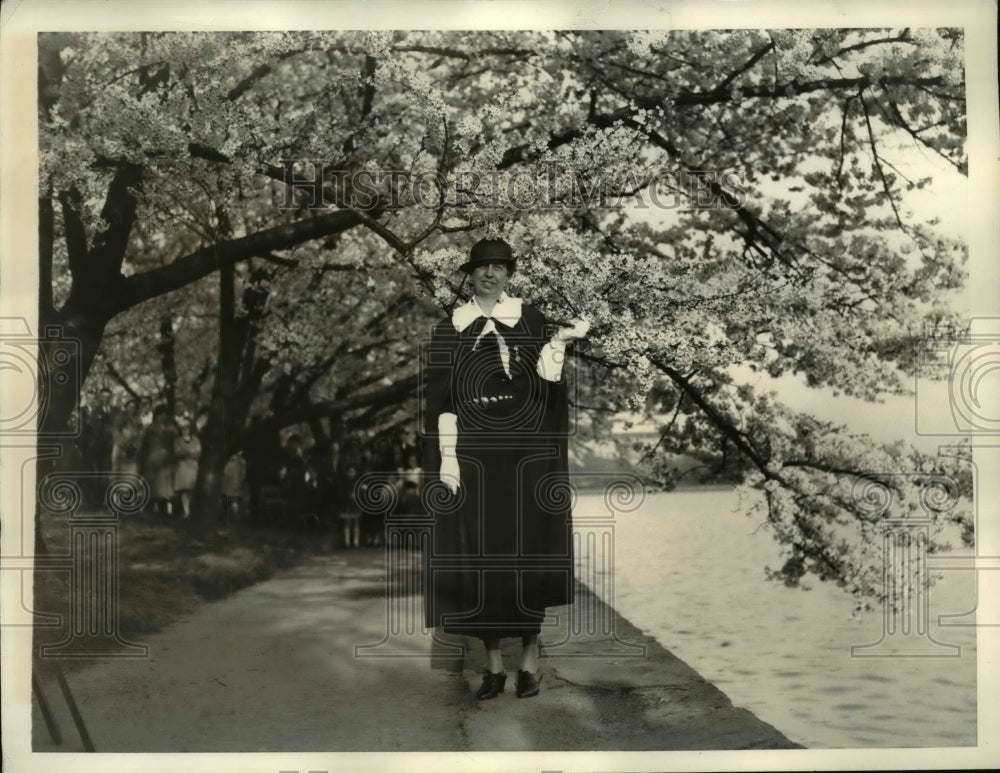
(21,21)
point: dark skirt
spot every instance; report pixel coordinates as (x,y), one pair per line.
(501,548)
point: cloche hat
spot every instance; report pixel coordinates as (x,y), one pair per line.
(490,251)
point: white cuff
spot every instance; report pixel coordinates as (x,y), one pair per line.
(447,433)
(550,360)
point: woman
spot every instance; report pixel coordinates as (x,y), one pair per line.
(187,451)
(127,434)
(495,424)
(234,477)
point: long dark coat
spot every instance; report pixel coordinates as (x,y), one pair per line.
(501,549)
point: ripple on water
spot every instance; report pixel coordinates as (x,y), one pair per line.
(804,682)
(963,709)
(851,707)
(866,740)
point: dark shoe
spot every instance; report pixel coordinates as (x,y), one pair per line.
(492,685)
(527,685)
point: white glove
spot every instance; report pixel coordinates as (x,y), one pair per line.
(577,329)
(450,475)
(447,439)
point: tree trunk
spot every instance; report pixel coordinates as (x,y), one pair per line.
(214,451)
(66,350)
(168,362)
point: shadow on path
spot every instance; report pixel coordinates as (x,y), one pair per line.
(273,668)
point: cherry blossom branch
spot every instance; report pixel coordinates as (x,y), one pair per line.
(876,159)
(898,119)
(185,270)
(758,55)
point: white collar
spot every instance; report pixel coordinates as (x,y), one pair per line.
(507,310)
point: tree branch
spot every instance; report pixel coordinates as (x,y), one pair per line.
(760,54)
(119,213)
(197,150)
(721,423)
(901,38)
(520,153)
(263,70)
(118,377)
(74,233)
(398,391)
(915,133)
(183,271)
(878,164)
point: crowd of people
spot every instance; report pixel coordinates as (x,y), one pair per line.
(307,484)
(326,486)
(136,437)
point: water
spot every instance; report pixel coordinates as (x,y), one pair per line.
(687,569)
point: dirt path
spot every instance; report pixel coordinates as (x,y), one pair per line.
(274,668)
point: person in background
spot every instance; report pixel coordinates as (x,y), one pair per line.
(146,411)
(296,478)
(184,415)
(100,430)
(97,439)
(127,435)
(412,472)
(326,487)
(158,460)
(73,457)
(234,484)
(350,513)
(409,499)
(187,451)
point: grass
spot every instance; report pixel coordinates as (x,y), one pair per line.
(166,570)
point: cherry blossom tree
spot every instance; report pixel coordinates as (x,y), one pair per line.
(249,357)
(712,200)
